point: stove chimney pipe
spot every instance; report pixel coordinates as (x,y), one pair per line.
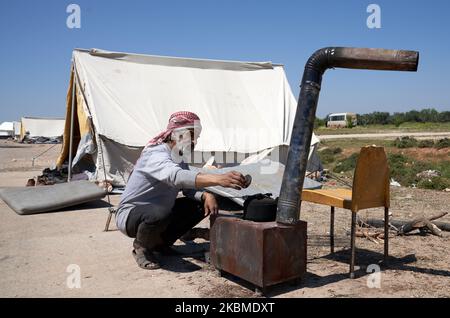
(288,209)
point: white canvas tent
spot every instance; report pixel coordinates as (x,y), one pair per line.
(17,128)
(119,101)
(42,127)
(7,129)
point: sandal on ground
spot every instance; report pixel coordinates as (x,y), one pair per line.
(145,260)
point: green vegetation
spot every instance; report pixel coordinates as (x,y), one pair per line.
(424,120)
(405,167)
(410,142)
(405,142)
(405,170)
(347,164)
(429,115)
(340,156)
(328,155)
(435,183)
(319,122)
(350,123)
(354,143)
(426,144)
(424,126)
(368,129)
(442,143)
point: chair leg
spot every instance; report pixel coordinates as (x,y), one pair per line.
(386,234)
(352,244)
(111,211)
(332,230)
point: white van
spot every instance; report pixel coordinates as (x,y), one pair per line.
(340,120)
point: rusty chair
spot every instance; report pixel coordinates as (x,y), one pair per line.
(370,190)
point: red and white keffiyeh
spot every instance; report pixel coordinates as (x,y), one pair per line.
(182,119)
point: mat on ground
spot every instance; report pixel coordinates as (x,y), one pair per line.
(31,200)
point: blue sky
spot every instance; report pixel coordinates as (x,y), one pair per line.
(36,45)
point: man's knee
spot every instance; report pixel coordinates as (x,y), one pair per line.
(189,207)
(187,203)
(149,234)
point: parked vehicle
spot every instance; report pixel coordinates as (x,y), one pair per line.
(341,120)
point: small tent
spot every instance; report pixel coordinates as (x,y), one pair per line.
(116,102)
(42,127)
(7,129)
(17,129)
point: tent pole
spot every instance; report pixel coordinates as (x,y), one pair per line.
(110,209)
(69,177)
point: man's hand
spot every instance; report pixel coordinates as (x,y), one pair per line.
(232,179)
(210,203)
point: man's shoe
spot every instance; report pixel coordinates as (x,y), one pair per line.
(145,259)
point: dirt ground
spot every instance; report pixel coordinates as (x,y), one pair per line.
(36,251)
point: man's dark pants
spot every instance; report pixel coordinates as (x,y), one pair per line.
(153,230)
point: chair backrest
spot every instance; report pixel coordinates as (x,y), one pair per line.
(371,180)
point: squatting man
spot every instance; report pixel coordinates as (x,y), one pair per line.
(149,209)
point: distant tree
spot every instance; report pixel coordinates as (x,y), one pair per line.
(319,122)
(363,119)
(444,117)
(350,122)
(413,116)
(380,118)
(397,119)
(429,115)
(425,115)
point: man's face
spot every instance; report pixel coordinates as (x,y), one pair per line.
(186,140)
(189,136)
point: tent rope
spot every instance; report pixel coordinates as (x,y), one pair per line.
(34,158)
(331,176)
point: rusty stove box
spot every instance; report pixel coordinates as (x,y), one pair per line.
(263,253)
